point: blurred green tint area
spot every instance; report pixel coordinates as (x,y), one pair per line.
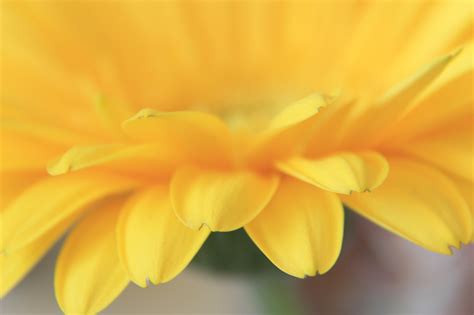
(235,254)
(232,252)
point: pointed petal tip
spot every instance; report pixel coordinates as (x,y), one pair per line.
(457,52)
(73,159)
(166,246)
(418,203)
(342,173)
(301,110)
(143,113)
(304,242)
(58,167)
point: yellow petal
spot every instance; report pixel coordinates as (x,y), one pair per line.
(15,266)
(401,95)
(153,244)
(288,131)
(462,64)
(441,103)
(301,229)
(144,159)
(88,274)
(12,184)
(221,200)
(298,111)
(202,137)
(341,173)
(418,203)
(46,133)
(450,150)
(19,152)
(396,103)
(54,201)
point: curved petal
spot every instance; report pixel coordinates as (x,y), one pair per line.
(54,201)
(401,95)
(200,136)
(131,159)
(301,229)
(15,266)
(88,274)
(396,103)
(12,184)
(298,112)
(24,153)
(449,149)
(221,200)
(153,243)
(418,203)
(441,103)
(288,131)
(341,173)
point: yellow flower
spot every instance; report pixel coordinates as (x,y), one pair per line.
(246,130)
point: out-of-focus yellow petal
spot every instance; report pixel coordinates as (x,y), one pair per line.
(288,131)
(301,229)
(201,136)
(143,159)
(442,103)
(335,121)
(254,47)
(19,152)
(418,203)
(13,183)
(88,274)
(396,103)
(14,266)
(449,149)
(54,201)
(401,95)
(297,112)
(153,244)
(341,173)
(220,200)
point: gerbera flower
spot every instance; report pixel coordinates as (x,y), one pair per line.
(161,122)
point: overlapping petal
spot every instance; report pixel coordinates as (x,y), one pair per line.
(153,244)
(53,202)
(418,203)
(289,131)
(221,200)
(88,274)
(440,104)
(200,136)
(450,149)
(20,152)
(12,184)
(148,159)
(341,173)
(16,265)
(301,229)
(370,128)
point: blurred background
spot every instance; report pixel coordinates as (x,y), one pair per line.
(377,273)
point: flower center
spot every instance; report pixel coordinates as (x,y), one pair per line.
(251,112)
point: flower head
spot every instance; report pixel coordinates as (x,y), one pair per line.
(161,122)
